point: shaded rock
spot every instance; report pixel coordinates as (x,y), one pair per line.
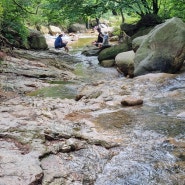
(131,101)
(149,20)
(125,62)
(37,41)
(163,50)
(129,29)
(142,27)
(2,56)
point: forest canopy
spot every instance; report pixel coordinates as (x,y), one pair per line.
(17,15)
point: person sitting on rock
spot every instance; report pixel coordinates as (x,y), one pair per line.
(59,43)
(99,39)
(105,40)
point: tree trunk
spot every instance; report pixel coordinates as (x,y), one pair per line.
(155,7)
(122,16)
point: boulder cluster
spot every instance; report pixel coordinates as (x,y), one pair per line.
(161,50)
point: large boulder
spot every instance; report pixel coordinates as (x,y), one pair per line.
(54,30)
(37,41)
(111,52)
(163,50)
(125,62)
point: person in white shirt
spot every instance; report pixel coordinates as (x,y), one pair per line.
(105,40)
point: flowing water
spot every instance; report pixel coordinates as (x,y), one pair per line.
(154,136)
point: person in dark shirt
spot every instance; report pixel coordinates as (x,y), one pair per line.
(59,43)
(99,39)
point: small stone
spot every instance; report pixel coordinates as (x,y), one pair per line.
(78,97)
(131,101)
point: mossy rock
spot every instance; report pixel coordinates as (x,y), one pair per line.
(111,52)
(37,41)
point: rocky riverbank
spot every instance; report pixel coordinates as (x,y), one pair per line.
(95,140)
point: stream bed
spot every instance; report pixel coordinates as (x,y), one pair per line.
(48,138)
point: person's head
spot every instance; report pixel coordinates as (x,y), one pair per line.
(61,34)
(99,29)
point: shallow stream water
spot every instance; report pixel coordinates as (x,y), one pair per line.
(154,144)
(87,71)
(153,134)
(153,152)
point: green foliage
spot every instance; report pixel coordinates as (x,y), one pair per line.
(116,31)
(1,15)
(13,22)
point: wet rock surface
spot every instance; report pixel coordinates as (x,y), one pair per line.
(95,140)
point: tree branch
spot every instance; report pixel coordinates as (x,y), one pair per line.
(24,9)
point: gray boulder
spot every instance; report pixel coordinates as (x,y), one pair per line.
(163,50)
(125,62)
(54,30)
(37,40)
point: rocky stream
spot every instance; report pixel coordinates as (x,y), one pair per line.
(62,123)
